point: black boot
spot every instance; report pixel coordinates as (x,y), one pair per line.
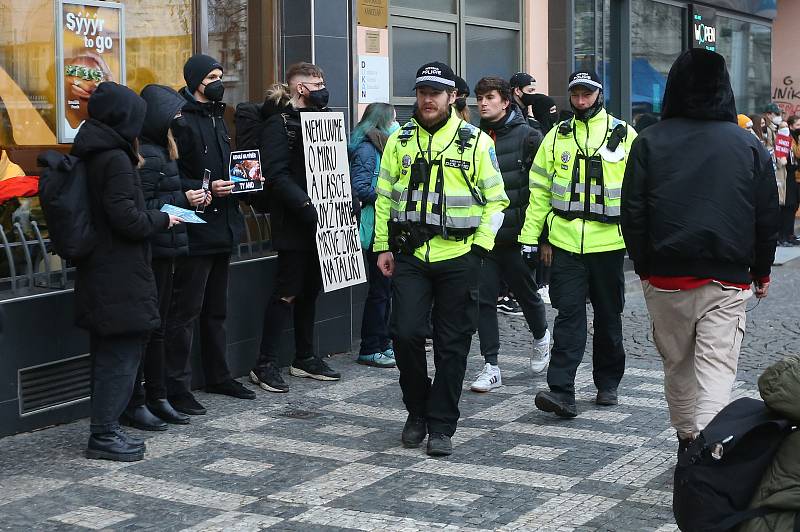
(414,431)
(141,418)
(164,410)
(187,404)
(439,444)
(560,404)
(113,446)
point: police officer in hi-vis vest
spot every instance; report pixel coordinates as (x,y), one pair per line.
(440,203)
(576,189)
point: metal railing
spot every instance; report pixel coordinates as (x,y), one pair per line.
(29,266)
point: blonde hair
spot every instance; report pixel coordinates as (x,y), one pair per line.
(172,146)
(278,94)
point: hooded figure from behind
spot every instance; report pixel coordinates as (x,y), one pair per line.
(700,220)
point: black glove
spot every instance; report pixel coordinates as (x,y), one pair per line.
(531,256)
(308,214)
(479,251)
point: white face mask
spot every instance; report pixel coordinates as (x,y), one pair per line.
(783,131)
(777,120)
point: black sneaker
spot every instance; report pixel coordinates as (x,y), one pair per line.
(606,398)
(439,444)
(508,305)
(414,431)
(314,368)
(231,388)
(561,405)
(187,404)
(269,378)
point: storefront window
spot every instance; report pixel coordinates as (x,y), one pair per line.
(656,41)
(491,50)
(227,43)
(408,45)
(746,47)
(592,37)
(443,6)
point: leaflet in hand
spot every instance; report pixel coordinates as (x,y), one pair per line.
(245,171)
(184,214)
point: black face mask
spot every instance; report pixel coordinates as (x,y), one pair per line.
(590,112)
(527,99)
(460,103)
(214,90)
(318,98)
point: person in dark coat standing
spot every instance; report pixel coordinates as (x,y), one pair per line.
(115,291)
(200,283)
(294,222)
(149,408)
(515,143)
(701,230)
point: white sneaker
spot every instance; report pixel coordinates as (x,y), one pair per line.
(540,357)
(544,293)
(488,379)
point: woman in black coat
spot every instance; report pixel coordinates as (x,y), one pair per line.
(149,408)
(115,290)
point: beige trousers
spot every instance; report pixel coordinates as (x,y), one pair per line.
(698,334)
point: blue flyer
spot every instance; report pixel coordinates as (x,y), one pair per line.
(184,214)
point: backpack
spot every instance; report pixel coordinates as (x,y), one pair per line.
(717,476)
(64,196)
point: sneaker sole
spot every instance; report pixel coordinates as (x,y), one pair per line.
(511,312)
(485,390)
(536,369)
(265,386)
(545,405)
(297,372)
(93,454)
(375,364)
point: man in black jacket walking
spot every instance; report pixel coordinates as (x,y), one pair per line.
(516,143)
(701,229)
(200,284)
(294,221)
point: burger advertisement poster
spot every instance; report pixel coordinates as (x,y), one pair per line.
(90,49)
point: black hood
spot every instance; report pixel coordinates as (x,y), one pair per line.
(191,105)
(163,103)
(699,87)
(119,108)
(96,137)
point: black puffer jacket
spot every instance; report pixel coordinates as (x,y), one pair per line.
(699,196)
(161,180)
(203,142)
(516,144)
(293,224)
(115,290)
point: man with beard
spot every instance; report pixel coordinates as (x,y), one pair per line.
(576,186)
(439,206)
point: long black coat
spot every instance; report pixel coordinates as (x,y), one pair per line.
(115,290)
(161,180)
(203,142)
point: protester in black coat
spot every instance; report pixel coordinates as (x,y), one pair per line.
(161,184)
(115,290)
(200,282)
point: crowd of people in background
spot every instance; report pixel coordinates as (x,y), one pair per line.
(537,214)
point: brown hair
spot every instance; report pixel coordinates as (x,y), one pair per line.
(172,146)
(278,94)
(138,153)
(304,69)
(756,119)
(792,119)
(491,83)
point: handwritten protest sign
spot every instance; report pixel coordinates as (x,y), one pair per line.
(328,180)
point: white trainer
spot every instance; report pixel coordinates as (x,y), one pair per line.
(488,379)
(540,356)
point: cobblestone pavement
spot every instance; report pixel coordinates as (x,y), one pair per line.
(327,456)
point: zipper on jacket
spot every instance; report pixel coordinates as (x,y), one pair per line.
(428,251)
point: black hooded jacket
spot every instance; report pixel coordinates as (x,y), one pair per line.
(699,197)
(293,220)
(115,290)
(161,180)
(204,143)
(516,144)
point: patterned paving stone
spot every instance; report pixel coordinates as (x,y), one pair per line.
(356,520)
(563,512)
(241,468)
(570,433)
(497,474)
(92,517)
(338,483)
(346,430)
(507,410)
(243,421)
(535,452)
(636,468)
(652,497)
(235,522)
(444,497)
(24,486)
(286,445)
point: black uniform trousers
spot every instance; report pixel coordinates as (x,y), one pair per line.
(199,290)
(505,263)
(451,286)
(574,276)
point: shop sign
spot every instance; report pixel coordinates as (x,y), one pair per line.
(373,13)
(702,27)
(90,49)
(373,79)
(328,184)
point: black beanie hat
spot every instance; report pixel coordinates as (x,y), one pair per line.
(197,68)
(119,108)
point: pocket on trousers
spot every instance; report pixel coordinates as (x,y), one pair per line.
(471,310)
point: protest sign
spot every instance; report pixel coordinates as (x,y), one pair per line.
(245,171)
(328,181)
(90,49)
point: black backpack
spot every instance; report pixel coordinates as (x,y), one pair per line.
(64,196)
(717,476)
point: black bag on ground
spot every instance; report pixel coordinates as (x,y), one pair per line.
(716,477)
(64,196)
